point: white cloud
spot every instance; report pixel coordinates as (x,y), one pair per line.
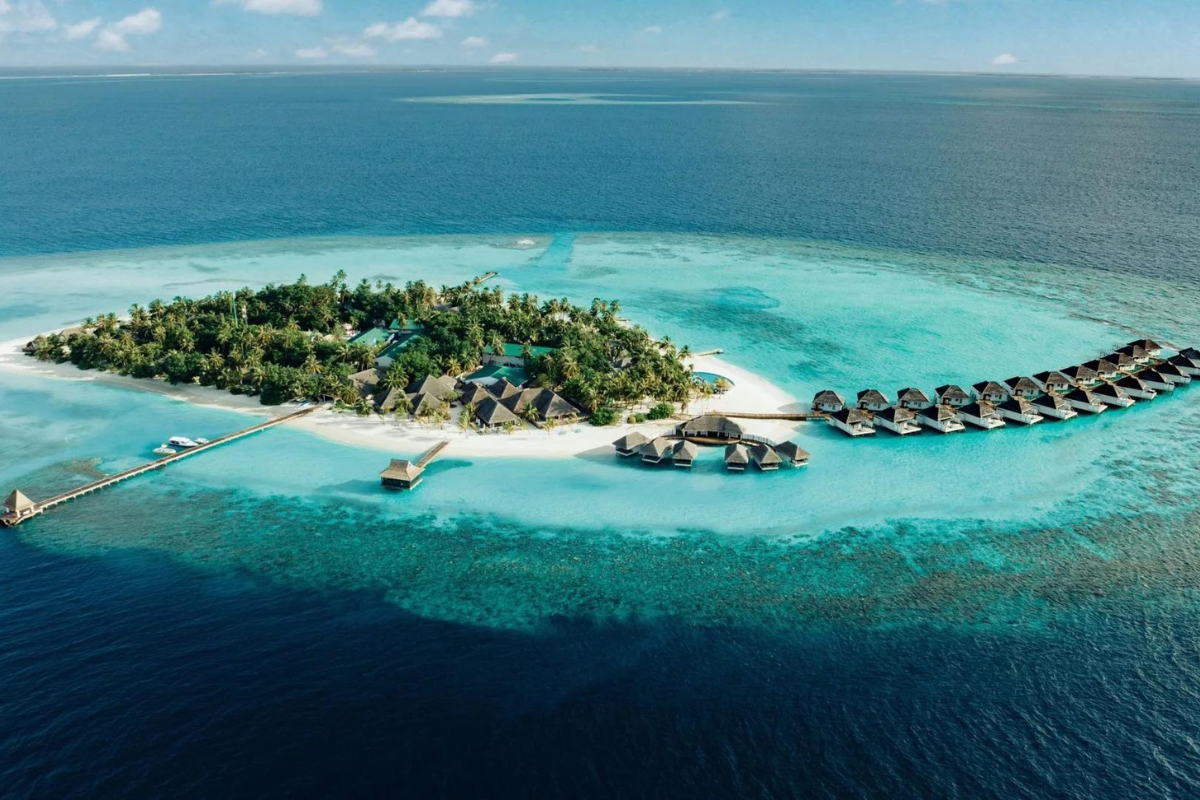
(450,8)
(505,58)
(143,23)
(1004,60)
(474,41)
(259,53)
(411,28)
(25,16)
(589,48)
(652,29)
(353,49)
(312,52)
(721,15)
(82,30)
(298,8)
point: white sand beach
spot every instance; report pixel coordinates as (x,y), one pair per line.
(749,394)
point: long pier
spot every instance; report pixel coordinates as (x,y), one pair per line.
(487,276)
(431,454)
(17,516)
(795,417)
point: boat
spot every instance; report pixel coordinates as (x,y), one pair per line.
(201,441)
(182,442)
(163,450)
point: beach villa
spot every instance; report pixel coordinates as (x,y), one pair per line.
(657,450)
(1135,388)
(953,396)
(1150,346)
(710,426)
(1022,387)
(914,399)
(1081,375)
(1018,409)
(852,422)
(1053,382)
(1172,373)
(1112,395)
(941,418)
(684,453)
(793,453)
(981,414)
(1106,370)
(765,457)
(736,457)
(1186,364)
(1085,400)
(630,443)
(873,400)
(1053,405)
(491,414)
(828,402)
(990,392)
(901,421)
(1156,380)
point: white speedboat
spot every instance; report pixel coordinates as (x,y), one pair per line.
(182,442)
(201,441)
(163,450)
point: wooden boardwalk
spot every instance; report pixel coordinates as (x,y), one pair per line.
(716,351)
(431,454)
(487,276)
(795,417)
(14,519)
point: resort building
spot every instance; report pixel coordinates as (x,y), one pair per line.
(710,426)
(472,393)
(1081,375)
(828,402)
(657,450)
(901,421)
(386,401)
(1018,409)
(504,389)
(401,474)
(981,414)
(765,457)
(684,453)
(17,503)
(372,337)
(439,388)
(941,418)
(1139,354)
(793,453)
(953,396)
(990,392)
(366,383)
(1185,364)
(852,422)
(1086,401)
(1172,373)
(1112,395)
(491,414)
(546,403)
(513,355)
(736,457)
(1156,380)
(630,443)
(1125,363)
(1136,389)
(1022,387)
(1190,352)
(1105,369)
(1053,405)
(1053,382)
(1150,346)
(913,399)
(873,400)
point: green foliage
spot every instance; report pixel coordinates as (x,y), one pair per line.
(661,411)
(603,416)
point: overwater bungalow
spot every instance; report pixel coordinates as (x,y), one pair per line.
(710,426)
(655,451)
(1136,388)
(1053,382)
(1112,395)
(491,414)
(990,392)
(828,401)
(1081,375)
(1156,380)
(953,396)
(1053,405)
(630,444)
(1023,387)
(401,474)
(1190,352)
(793,453)
(1150,346)
(1018,409)
(1139,354)
(1105,369)
(981,414)
(1172,373)
(901,421)
(1085,400)
(1185,364)
(852,422)
(1124,362)
(684,453)
(914,399)
(736,457)
(941,418)
(765,457)
(17,503)
(873,400)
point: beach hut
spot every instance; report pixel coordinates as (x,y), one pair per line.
(366,383)
(551,405)
(1150,346)
(1172,373)
(1185,364)
(1053,382)
(1112,395)
(1139,354)
(1023,387)
(684,453)
(914,399)
(852,422)
(401,474)
(942,418)
(17,503)
(736,457)
(657,450)
(504,388)
(439,388)
(981,414)
(1085,400)
(1156,380)
(873,400)
(1053,405)
(1018,409)
(793,453)
(1081,375)
(710,426)
(990,392)
(1105,369)
(385,402)
(491,414)
(953,396)
(765,457)
(1124,362)
(901,421)
(1136,389)
(630,444)
(472,393)
(828,402)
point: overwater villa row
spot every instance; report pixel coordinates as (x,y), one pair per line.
(1136,372)
(683,445)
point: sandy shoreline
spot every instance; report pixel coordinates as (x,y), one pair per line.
(749,393)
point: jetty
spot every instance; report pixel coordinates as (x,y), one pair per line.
(713,430)
(487,276)
(19,508)
(404,474)
(716,351)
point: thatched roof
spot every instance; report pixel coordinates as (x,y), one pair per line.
(1152,375)
(989,387)
(474,393)
(520,400)
(710,423)
(552,405)
(951,392)
(1017,405)
(1108,390)
(659,448)
(490,412)
(387,401)
(939,413)
(504,388)
(685,451)
(366,382)
(1132,382)
(401,470)
(425,402)
(1190,352)
(850,416)
(980,408)
(765,456)
(1051,401)
(1051,377)
(872,396)
(1080,374)
(1082,396)
(631,441)
(1167,368)
(1021,384)
(1134,351)
(827,397)
(1147,344)
(896,415)
(911,395)
(794,452)
(435,387)
(737,454)
(17,501)
(1184,361)
(1101,365)
(1120,359)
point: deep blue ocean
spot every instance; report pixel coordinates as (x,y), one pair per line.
(128,671)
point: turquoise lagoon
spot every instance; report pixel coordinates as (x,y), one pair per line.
(976,527)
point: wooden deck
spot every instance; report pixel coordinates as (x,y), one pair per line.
(12,520)
(795,417)
(487,276)
(431,454)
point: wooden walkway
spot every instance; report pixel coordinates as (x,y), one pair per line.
(431,454)
(12,520)
(797,417)
(487,276)
(716,351)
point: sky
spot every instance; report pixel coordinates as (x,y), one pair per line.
(1085,37)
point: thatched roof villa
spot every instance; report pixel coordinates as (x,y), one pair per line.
(684,453)
(764,457)
(1018,409)
(901,421)
(912,398)
(401,474)
(710,426)
(736,457)
(952,395)
(1080,375)
(852,422)
(793,453)
(873,400)
(941,418)
(828,401)
(1053,405)
(991,392)
(1107,370)
(1135,388)
(657,449)
(1021,386)
(1053,381)
(1085,400)
(981,414)
(630,443)
(1150,346)
(491,414)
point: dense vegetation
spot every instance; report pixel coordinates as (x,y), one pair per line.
(287,341)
